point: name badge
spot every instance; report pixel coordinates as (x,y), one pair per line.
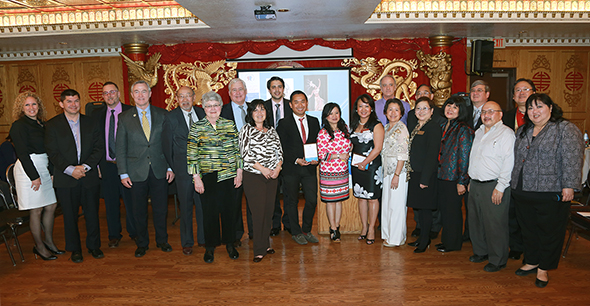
(420,133)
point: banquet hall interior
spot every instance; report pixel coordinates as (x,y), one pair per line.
(47,46)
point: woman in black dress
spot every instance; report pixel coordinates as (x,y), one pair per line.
(367,175)
(424,149)
(34,186)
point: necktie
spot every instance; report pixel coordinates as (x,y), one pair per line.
(112,135)
(476,117)
(145,125)
(243,113)
(190,120)
(302,130)
(277,114)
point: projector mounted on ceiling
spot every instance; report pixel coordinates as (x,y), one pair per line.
(265,13)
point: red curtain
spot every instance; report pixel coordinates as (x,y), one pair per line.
(377,48)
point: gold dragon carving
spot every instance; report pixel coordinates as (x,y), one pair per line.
(368,72)
(438,69)
(139,70)
(202,77)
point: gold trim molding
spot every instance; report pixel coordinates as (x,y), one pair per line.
(403,6)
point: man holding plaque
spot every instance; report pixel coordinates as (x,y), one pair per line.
(297,131)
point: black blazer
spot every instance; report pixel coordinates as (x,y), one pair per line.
(270,112)
(437,116)
(61,149)
(227,112)
(292,143)
(135,154)
(175,142)
(470,120)
(509,118)
(100,116)
(424,151)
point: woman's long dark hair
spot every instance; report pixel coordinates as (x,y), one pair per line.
(460,103)
(356,119)
(556,111)
(341,124)
(251,107)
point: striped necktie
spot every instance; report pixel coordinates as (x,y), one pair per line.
(145,125)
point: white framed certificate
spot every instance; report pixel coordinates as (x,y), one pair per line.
(357,159)
(310,152)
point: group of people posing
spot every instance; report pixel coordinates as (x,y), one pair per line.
(515,172)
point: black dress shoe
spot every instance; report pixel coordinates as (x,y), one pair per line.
(521,272)
(413,244)
(77,257)
(164,247)
(275,231)
(433,235)
(257,259)
(541,284)
(208,258)
(288,230)
(416,232)
(96,253)
(443,249)
(237,243)
(439,245)
(514,255)
(490,267)
(478,258)
(232,252)
(270,251)
(140,251)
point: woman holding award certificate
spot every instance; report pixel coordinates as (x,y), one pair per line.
(367,172)
(333,150)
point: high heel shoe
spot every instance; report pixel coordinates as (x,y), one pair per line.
(363,237)
(337,234)
(58,252)
(422,250)
(51,257)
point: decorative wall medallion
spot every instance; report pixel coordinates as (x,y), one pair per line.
(574,81)
(95,91)
(541,77)
(368,72)
(57,90)
(201,77)
(27,88)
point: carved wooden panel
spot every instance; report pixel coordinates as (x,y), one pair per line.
(574,81)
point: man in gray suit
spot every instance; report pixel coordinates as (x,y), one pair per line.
(176,130)
(142,166)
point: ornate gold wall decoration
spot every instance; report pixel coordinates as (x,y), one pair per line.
(24,75)
(95,72)
(139,70)
(60,74)
(438,69)
(368,72)
(202,77)
(541,62)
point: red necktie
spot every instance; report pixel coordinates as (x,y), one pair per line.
(302,129)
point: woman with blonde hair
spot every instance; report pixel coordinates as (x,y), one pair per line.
(34,186)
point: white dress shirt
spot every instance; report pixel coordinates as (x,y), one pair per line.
(492,155)
(192,114)
(305,126)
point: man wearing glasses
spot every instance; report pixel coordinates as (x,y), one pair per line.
(479,94)
(112,189)
(490,168)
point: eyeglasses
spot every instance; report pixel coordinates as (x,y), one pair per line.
(479,90)
(185,96)
(112,92)
(211,106)
(422,93)
(518,90)
(490,111)
(422,109)
(143,92)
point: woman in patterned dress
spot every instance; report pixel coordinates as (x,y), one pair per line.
(395,185)
(261,150)
(367,176)
(333,150)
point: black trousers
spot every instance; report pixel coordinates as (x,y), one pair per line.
(113,191)
(515,240)
(449,206)
(71,199)
(239,216)
(280,214)
(261,196)
(436,220)
(543,221)
(309,184)
(189,198)
(218,200)
(157,189)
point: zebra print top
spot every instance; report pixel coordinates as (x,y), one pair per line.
(262,147)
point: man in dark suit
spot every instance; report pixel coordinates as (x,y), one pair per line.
(176,130)
(142,166)
(479,95)
(73,145)
(112,189)
(294,131)
(514,118)
(236,111)
(277,107)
